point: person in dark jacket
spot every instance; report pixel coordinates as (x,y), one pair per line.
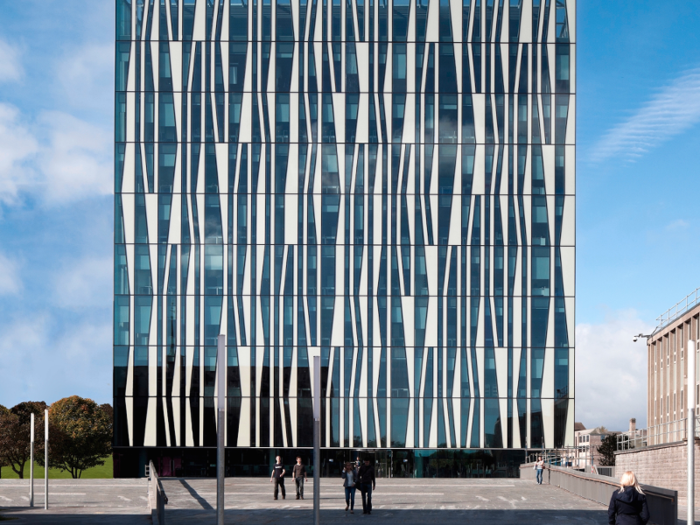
(367,484)
(299,477)
(628,506)
(349,476)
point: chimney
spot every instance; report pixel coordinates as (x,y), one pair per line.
(633,424)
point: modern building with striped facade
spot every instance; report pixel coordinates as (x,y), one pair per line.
(389,184)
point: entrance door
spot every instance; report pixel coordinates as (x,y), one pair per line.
(381,459)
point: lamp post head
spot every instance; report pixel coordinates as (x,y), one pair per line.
(636,337)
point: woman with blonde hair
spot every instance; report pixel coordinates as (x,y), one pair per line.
(628,506)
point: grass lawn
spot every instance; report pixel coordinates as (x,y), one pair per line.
(102,472)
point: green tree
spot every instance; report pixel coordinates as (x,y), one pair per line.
(80,435)
(107,409)
(3,411)
(15,432)
(607,450)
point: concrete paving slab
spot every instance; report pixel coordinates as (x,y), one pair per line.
(81,501)
(250,501)
(396,501)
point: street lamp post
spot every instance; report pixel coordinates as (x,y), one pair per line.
(31,461)
(690,390)
(46,459)
(220,449)
(317,439)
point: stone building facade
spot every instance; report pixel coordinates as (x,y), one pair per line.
(668,372)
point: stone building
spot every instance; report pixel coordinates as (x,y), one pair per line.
(659,455)
(587,442)
(668,373)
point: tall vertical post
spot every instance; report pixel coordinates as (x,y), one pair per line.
(31,462)
(221,362)
(46,459)
(317,440)
(690,390)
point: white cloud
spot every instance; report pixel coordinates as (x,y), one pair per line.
(680,224)
(85,283)
(611,371)
(54,361)
(10,281)
(10,67)
(57,158)
(17,147)
(75,160)
(86,77)
(671,111)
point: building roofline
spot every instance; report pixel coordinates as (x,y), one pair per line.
(677,311)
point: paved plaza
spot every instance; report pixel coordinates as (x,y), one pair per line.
(79,501)
(400,501)
(249,501)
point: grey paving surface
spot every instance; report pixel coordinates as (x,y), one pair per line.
(249,501)
(396,501)
(82,501)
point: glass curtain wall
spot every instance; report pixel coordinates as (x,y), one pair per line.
(389,184)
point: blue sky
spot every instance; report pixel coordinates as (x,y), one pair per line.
(638,220)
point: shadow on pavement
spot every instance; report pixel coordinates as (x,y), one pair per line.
(269,516)
(68,516)
(396,516)
(195,495)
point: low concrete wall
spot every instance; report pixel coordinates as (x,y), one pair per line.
(662,466)
(663,503)
(156,497)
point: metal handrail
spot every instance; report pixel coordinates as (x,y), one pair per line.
(678,309)
(661,434)
(663,503)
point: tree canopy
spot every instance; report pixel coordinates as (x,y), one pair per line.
(15,432)
(80,434)
(607,451)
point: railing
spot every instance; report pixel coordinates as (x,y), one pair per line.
(662,434)
(560,457)
(678,309)
(663,503)
(608,472)
(157,500)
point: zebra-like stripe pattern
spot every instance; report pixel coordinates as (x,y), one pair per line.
(389,184)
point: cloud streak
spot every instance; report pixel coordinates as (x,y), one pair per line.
(17,146)
(10,281)
(10,67)
(674,109)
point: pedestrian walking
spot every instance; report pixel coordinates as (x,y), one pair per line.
(299,477)
(628,506)
(539,467)
(349,476)
(365,476)
(358,463)
(278,477)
